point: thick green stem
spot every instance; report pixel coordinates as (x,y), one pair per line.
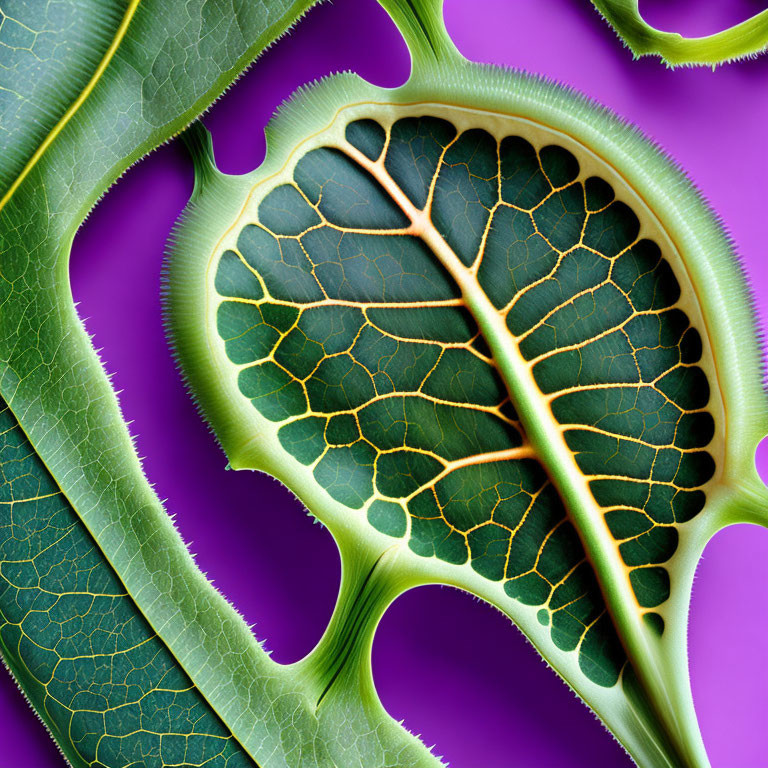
(337,674)
(341,661)
(739,41)
(199,144)
(421,24)
(748,506)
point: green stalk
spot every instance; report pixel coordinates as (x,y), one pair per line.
(369,584)
(421,24)
(743,40)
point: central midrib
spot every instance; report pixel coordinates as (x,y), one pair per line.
(547,439)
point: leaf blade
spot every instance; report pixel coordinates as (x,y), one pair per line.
(199,239)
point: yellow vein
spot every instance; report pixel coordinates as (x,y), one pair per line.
(76,104)
(599,544)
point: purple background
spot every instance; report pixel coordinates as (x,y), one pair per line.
(455,670)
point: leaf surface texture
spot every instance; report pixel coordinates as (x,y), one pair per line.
(348,331)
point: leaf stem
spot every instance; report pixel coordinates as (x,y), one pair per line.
(341,661)
(421,24)
(198,142)
(750,505)
(749,38)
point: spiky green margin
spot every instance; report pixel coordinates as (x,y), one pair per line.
(741,41)
(707,256)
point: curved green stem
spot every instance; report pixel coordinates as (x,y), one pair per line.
(337,673)
(199,144)
(369,585)
(421,24)
(748,38)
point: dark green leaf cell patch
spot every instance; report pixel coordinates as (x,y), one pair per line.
(651,585)
(344,193)
(286,212)
(388,388)
(367,136)
(274,392)
(598,193)
(465,192)
(347,473)
(342,429)
(413,156)
(234,279)
(388,517)
(515,256)
(655,622)
(559,165)
(304,438)
(400,474)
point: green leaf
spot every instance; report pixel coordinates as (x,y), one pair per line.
(483,329)
(121,645)
(744,40)
(105,683)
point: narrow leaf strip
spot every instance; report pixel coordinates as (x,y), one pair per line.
(141,92)
(104,683)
